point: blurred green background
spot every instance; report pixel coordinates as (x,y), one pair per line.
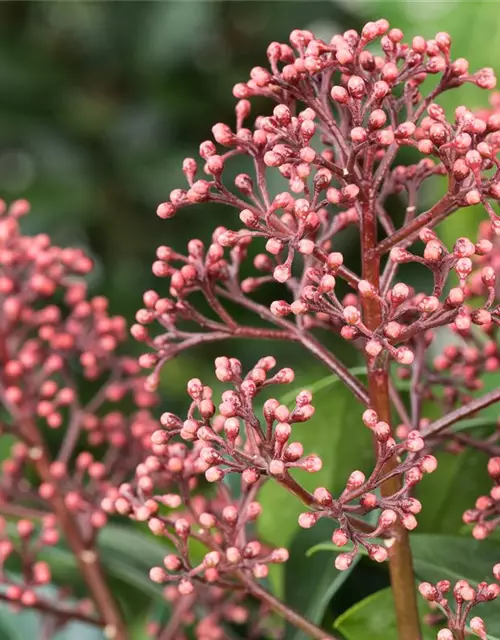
(101,101)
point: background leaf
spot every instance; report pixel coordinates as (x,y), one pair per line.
(374,618)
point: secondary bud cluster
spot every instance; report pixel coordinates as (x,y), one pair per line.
(361,497)
(53,337)
(163,495)
(465,598)
(24,544)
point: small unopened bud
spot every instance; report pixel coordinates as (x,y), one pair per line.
(355,480)
(351,315)
(478,627)
(308,520)
(343,561)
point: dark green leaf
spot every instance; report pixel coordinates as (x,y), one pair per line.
(374,618)
(445,495)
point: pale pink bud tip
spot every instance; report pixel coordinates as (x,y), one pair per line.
(343,561)
(445,634)
(478,627)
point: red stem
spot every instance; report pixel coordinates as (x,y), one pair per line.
(86,556)
(400,558)
(283,610)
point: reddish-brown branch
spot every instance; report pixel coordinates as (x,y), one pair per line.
(170,631)
(303,337)
(86,557)
(400,558)
(408,232)
(462,412)
(282,609)
(65,615)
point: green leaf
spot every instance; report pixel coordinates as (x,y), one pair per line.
(443,504)
(337,434)
(16,627)
(310,584)
(374,618)
(330,546)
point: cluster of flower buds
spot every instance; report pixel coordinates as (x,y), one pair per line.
(327,190)
(344,110)
(360,496)
(25,542)
(46,351)
(465,597)
(214,443)
(221,524)
(486,515)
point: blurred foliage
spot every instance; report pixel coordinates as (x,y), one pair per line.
(100,103)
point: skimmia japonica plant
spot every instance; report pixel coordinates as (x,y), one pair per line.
(348,113)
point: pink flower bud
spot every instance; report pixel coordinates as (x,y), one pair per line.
(387,518)
(409,521)
(223,134)
(279,555)
(428,591)
(378,553)
(496,572)
(339,94)
(165,210)
(351,315)
(282,273)
(404,355)
(428,464)
(276,468)
(355,480)
(308,520)
(214,474)
(157,574)
(340,538)
(478,627)
(373,348)
(445,634)
(312,464)
(185,587)
(343,561)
